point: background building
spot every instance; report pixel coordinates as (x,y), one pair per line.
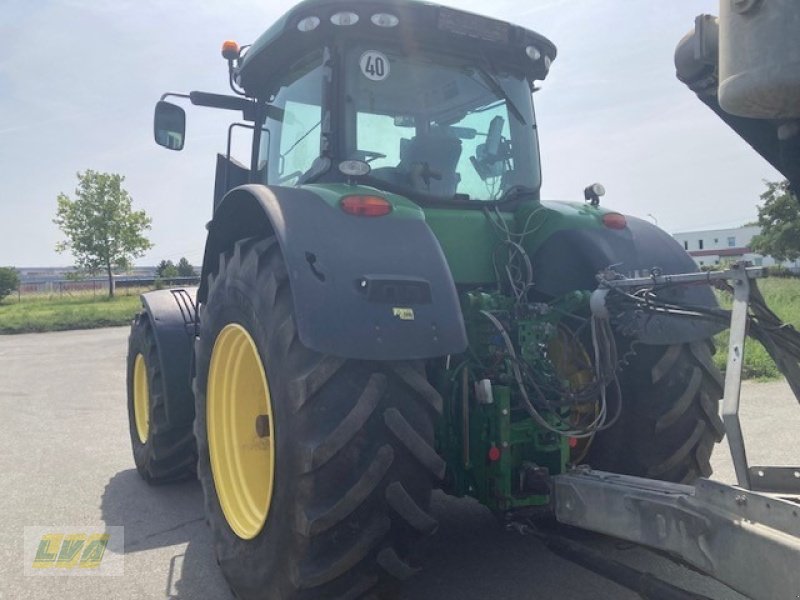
(715,246)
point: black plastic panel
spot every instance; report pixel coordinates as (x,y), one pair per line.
(331,255)
(570,260)
(173,314)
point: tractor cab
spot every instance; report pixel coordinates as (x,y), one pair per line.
(387,307)
(425,101)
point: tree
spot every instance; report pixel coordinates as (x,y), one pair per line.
(185,269)
(102,229)
(74,275)
(9,281)
(779,219)
(166,270)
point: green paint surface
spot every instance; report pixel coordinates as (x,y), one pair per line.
(468,237)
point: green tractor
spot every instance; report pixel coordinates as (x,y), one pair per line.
(387,307)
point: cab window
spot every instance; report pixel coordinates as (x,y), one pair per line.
(290,143)
(440,128)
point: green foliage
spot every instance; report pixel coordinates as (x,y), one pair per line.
(103,231)
(68,312)
(75,275)
(9,281)
(166,269)
(185,269)
(780,271)
(779,219)
(782,296)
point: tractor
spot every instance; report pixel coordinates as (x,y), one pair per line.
(387,306)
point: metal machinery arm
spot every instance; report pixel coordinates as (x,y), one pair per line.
(745,539)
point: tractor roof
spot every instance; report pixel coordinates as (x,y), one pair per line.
(420,25)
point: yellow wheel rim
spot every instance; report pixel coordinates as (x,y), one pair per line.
(141,398)
(241,438)
(572,363)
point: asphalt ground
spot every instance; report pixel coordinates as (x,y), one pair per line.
(65,461)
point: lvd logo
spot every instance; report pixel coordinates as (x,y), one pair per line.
(71,551)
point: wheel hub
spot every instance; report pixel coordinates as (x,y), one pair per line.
(240,427)
(141,399)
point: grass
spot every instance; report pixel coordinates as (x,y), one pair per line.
(85,311)
(783,297)
(55,313)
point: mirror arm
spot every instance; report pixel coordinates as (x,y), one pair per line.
(173,95)
(247,106)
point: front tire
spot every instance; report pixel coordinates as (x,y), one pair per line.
(353,460)
(669,422)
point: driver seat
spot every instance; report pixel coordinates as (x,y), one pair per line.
(430,160)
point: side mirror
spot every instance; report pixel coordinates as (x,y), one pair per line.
(169,125)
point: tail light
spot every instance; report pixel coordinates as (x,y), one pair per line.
(365,206)
(615,221)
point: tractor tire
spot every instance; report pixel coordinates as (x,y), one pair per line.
(669,422)
(162,453)
(354,462)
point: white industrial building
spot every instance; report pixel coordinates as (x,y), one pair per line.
(715,246)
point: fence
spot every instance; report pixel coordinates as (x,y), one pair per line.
(99,286)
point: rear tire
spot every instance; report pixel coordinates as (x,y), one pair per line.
(162,453)
(670,420)
(354,458)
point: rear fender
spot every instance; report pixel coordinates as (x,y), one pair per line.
(570,259)
(363,288)
(172,314)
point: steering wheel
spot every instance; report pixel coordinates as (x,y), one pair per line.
(369,155)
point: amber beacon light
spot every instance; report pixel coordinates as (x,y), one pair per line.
(230,50)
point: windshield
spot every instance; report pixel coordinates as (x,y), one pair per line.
(439,129)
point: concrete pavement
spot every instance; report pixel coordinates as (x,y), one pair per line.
(65,460)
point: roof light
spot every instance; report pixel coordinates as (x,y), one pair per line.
(308,24)
(596,189)
(592,193)
(344,18)
(230,50)
(366,206)
(615,220)
(354,168)
(533,53)
(384,20)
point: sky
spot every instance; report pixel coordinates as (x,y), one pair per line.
(79,80)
